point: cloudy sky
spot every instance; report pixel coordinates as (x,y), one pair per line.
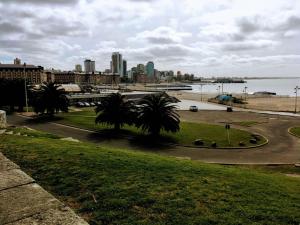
(205,37)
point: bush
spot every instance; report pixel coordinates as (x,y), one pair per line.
(199,142)
(256,137)
(253,141)
(229,109)
(241,143)
(214,144)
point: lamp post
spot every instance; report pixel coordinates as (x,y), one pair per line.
(296,99)
(222,88)
(245,92)
(25,87)
(219,88)
(201,85)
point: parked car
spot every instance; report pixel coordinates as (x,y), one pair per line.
(80,104)
(229,109)
(87,104)
(193,108)
(92,104)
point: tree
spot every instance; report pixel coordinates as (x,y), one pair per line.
(115,110)
(50,98)
(13,93)
(156,113)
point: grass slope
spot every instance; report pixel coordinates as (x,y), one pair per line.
(188,133)
(113,186)
(295,131)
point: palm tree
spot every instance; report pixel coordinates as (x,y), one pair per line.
(157,112)
(115,110)
(50,99)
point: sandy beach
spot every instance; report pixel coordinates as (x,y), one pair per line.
(268,103)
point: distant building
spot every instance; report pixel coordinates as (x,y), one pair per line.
(17,61)
(69,77)
(141,68)
(179,76)
(89,66)
(107,71)
(124,74)
(156,74)
(150,69)
(78,68)
(166,75)
(117,63)
(33,74)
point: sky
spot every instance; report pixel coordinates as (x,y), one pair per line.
(204,37)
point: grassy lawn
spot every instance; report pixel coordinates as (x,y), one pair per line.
(114,186)
(295,131)
(188,133)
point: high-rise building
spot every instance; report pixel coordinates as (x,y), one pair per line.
(78,68)
(124,68)
(141,68)
(17,61)
(117,63)
(89,66)
(150,69)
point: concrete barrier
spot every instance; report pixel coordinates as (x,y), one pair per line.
(2,119)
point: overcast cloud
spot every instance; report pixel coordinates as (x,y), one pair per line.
(204,37)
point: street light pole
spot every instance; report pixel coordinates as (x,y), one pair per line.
(222,88)
(296,99)
(245,90)
(25,85)
(201,85)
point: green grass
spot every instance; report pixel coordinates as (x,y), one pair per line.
(295,131)
(188,133)
(113,186)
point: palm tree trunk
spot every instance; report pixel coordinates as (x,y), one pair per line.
(117,126)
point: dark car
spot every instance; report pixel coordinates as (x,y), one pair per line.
(80,104)
(193,108)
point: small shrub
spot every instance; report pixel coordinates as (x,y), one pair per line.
(241,143)
(229,109)
(214,144)
(199,142)
(256,137)
(253,141)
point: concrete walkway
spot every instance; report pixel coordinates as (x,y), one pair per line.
(23,202)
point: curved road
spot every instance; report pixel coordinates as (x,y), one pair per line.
(283,148)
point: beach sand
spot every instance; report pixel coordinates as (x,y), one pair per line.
(266,103)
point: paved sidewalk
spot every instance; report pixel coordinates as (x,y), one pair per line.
(23,202)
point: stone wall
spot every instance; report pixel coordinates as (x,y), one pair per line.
(2,119)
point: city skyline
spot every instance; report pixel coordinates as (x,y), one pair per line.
(206,38)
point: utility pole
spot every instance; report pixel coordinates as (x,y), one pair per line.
(201,85)
(245,92)
(296,99)
(222,88)
(25,86)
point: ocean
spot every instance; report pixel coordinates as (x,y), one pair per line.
(279,86)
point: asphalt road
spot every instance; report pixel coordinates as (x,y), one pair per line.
(283,148)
